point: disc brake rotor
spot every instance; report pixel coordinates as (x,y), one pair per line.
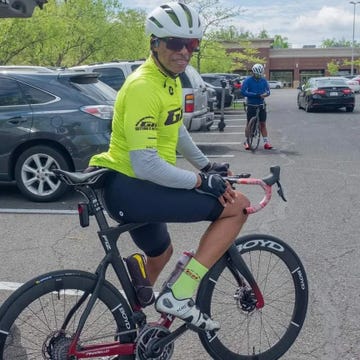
(145,344)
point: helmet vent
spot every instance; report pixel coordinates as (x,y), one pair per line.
(157,23)
(171,14)
(188,15)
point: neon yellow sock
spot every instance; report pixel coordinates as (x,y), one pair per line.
(185,286)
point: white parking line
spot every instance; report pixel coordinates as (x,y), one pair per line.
(38,211)
(219,143)
(225,133)
(9,286)
(12,286)
(212,156)
(229,126)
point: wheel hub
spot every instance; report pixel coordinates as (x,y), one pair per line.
(56,347)
(246,299)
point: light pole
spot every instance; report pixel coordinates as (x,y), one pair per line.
(353,37)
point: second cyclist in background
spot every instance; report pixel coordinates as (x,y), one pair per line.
(256,88)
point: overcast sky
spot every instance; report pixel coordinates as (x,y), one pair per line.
(303,22)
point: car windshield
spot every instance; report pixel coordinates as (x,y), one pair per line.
(330,82)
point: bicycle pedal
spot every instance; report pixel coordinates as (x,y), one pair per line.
(195,328)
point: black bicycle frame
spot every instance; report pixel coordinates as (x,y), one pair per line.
(108,237)
(238,261)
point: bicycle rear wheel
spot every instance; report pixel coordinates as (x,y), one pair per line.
(253,138)
(31,318)
(247,332)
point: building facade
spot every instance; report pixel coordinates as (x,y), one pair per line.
(294,66)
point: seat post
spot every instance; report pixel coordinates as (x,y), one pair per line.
(95,206)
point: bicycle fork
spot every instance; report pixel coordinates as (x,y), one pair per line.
(237,263)
(240,264)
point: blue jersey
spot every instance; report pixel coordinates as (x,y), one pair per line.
(252,88)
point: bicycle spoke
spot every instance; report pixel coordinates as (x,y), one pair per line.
(247,332)
(41,326)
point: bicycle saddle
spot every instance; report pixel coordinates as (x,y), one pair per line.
(89,177)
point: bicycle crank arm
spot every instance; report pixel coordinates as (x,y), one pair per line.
(161,343)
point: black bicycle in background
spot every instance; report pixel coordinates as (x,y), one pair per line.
(252,130)
(258,291)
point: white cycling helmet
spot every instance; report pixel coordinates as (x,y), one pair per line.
(174,20)
(258,69)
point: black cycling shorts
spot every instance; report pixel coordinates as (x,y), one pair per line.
(129,199)
(251,111)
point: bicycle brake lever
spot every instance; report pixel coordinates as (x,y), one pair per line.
(280,191)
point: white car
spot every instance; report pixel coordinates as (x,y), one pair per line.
(352,84)
(196,114)
(273,84)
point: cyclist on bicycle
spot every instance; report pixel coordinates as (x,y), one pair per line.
(147,186)
(255,88)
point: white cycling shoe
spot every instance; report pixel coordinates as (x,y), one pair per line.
(186,310)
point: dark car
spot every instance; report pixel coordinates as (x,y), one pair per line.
(212,96)
(326,93)
(216,81)
(19,8)
(235,82)
(51,120)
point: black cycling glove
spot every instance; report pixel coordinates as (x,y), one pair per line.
(216,168)
(212,184)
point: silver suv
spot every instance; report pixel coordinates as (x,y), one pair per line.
(196,114)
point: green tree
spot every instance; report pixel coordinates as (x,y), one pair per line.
(213,14)
(263,34)
(74,32)
(213,57)
(16,37)
(230,33)
(246,57)
(333,67)
(335,43)
(280,42)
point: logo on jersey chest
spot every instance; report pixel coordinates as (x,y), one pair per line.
(146,123)
(174,116)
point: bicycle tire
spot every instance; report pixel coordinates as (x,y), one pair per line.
(253,138)
(34,313)
(264,334)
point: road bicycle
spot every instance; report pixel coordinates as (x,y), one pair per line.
(252,130)
(258,292)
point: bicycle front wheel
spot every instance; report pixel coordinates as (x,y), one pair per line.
(247,332)
(253,138)
(32,320)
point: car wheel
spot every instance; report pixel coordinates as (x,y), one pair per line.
(34,177)
(308,108)
(349,109)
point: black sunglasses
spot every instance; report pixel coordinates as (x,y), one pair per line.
(177,44)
